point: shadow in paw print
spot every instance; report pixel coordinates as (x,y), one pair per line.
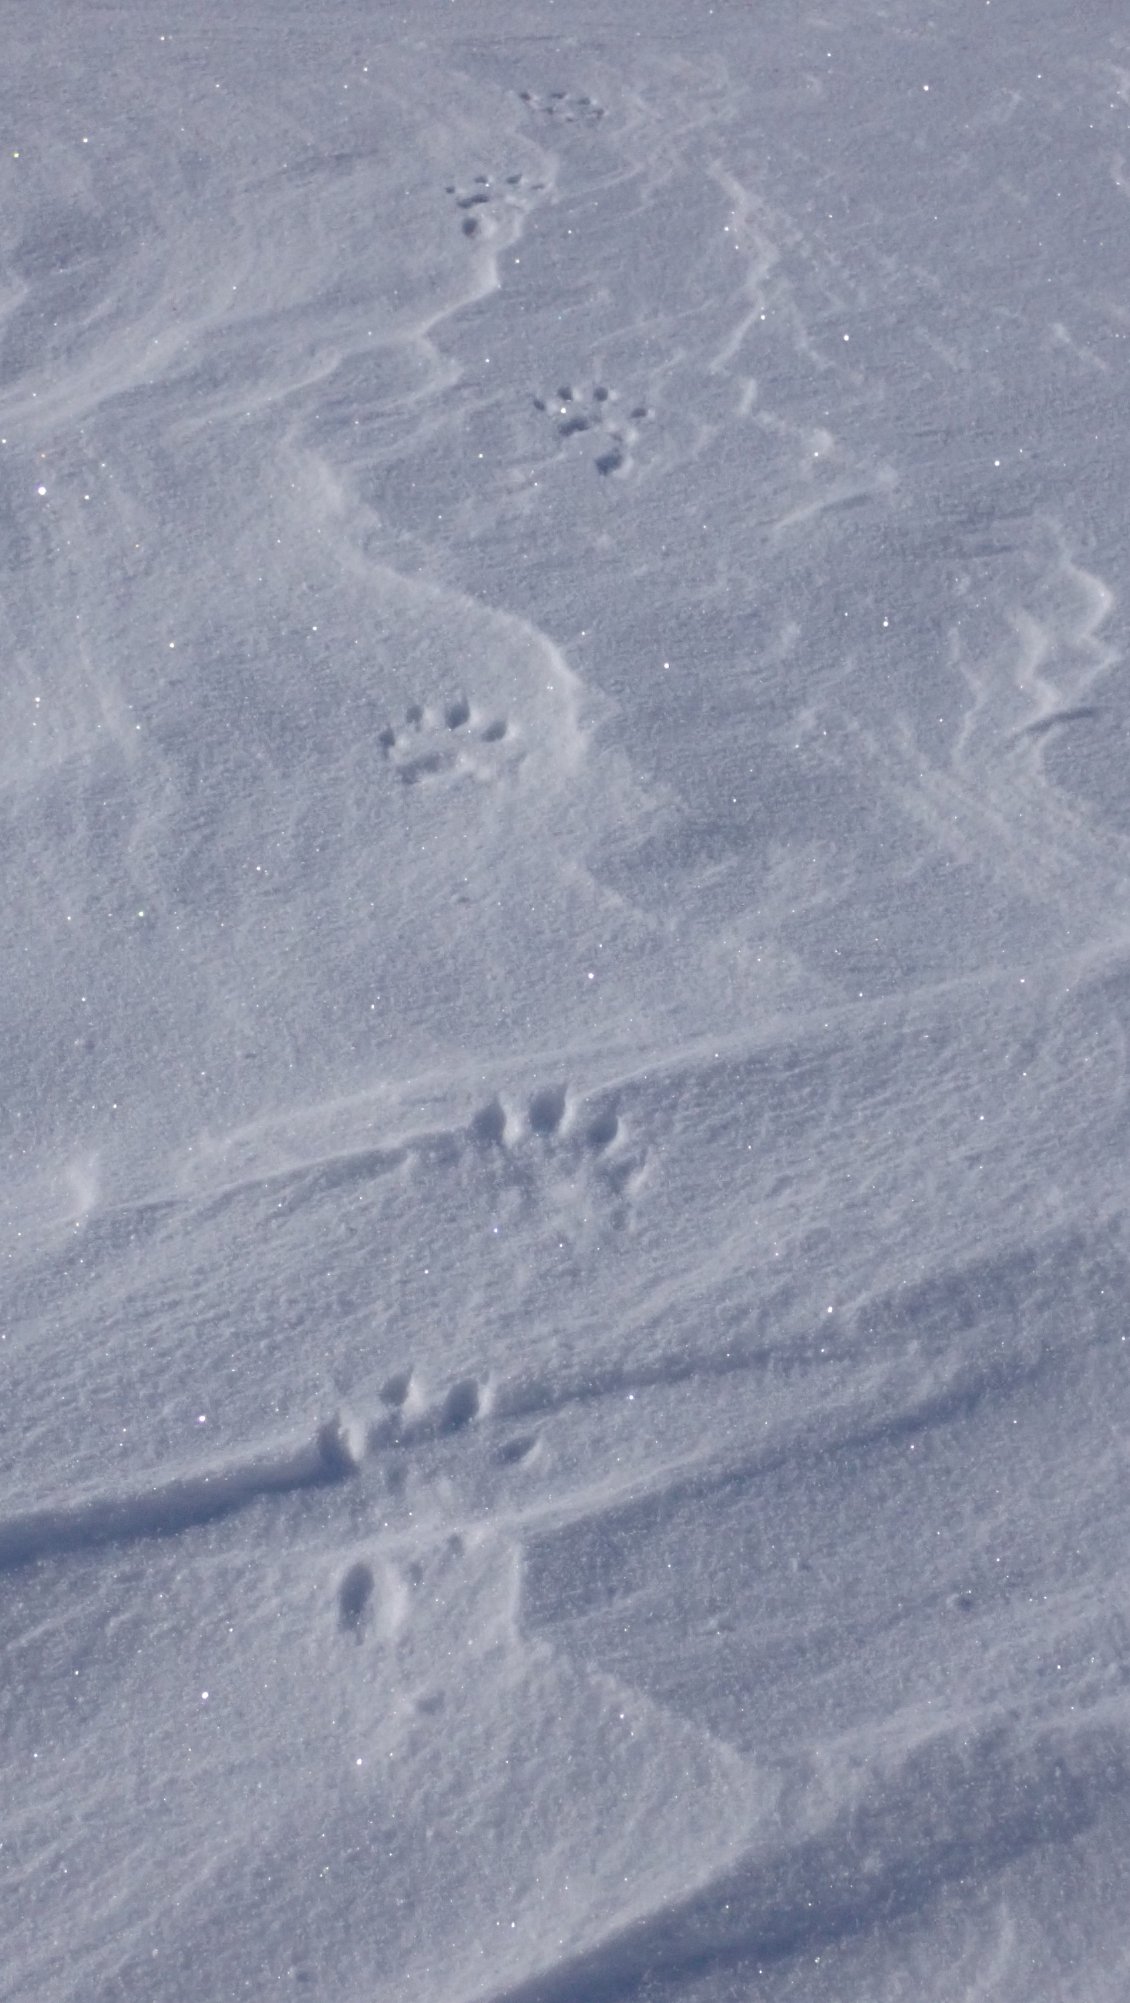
(547,1110)
(395,1390)
(488,1126)
(461,1405)
(602,1129)
(354,1598)
(512,1453)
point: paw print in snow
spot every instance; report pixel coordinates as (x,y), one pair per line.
(431,745)
(473,203)
(574,413)
(567,107)
(574,1158)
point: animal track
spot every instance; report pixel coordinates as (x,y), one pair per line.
(473,203)
(410,1417)
(568,107)
(421,1597)
(574,413)
(431,744)
(576,1160)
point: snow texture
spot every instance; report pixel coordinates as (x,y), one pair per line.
(565,982)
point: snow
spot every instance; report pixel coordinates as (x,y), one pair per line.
(564,983)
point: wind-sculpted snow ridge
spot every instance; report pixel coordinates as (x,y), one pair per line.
(457,1624)
(166,1506)
(946,1808)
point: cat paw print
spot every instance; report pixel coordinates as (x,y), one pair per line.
(431,744)
(597,412)
(567,107)
(476,204)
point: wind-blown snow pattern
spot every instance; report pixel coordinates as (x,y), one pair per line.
(565,980)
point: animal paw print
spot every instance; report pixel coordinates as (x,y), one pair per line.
(472,203)
(409,1416)
(574,413)
(567,107)
(574,1157)
(409,1605)
(431,744)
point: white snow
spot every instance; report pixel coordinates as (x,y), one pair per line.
(564,981)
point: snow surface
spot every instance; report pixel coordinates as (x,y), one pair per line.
(565,979)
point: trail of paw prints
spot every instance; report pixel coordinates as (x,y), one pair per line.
(574,413)
(421,1443)
(574,1157)
(458,739)
(567,107)
(477,203)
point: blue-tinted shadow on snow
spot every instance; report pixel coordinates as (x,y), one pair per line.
(950,1810)
(178,1503)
